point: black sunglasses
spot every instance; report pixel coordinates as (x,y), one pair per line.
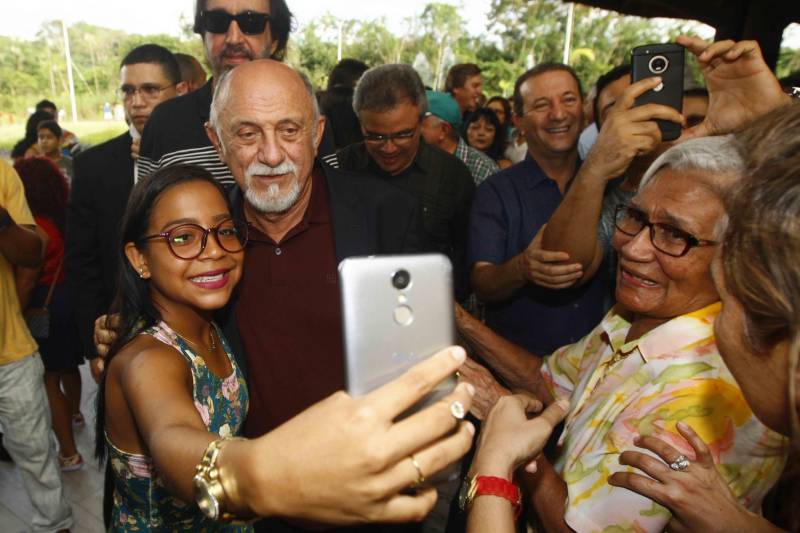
(250,22)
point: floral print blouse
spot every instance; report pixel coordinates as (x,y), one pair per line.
(619,390)
(141,502)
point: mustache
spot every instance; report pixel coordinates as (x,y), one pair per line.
(236,49)
(257,168)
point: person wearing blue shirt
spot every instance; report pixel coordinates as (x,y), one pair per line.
(525,287)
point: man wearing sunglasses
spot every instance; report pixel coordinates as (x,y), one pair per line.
(104,177)
(390,102)
(233,32)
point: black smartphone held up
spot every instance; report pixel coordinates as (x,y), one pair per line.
(665,60)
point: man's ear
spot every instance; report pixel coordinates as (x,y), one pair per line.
(137,260)
(444,131)
(215,140)
(182,88)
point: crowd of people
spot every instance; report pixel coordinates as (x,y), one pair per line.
(626,306)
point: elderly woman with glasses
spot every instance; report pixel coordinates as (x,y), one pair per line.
(651,367)
(758,330)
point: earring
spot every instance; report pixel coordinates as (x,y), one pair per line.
(141,273)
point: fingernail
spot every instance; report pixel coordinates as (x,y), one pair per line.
(532,468)
(563,404)
(458,354)
(470,428)
(682,425)
(470,389)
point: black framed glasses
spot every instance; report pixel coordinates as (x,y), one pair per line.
(397,138)
(250,22)
(187,241)
(665,238)
(149,91)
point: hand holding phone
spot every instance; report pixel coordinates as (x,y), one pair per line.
(628,131)
(665,61)
(397,311)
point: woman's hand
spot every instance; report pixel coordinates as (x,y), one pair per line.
(105,333)
(741,87)
(348,460)
(697,496)
(510,437)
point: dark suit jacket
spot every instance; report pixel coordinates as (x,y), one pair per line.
(368,216)
(100,189)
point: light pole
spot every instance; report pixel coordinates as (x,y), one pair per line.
(68,57)
(568,38)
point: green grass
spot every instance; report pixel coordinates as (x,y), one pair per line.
(90,133)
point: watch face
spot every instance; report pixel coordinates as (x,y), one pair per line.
(206,501)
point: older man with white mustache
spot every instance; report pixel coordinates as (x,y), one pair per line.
(270,200)
(284,324)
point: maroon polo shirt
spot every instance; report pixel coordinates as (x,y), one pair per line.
(289,318)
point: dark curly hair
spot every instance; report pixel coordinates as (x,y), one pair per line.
(46,189)
(498,146)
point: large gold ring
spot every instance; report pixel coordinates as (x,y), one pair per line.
(420,476)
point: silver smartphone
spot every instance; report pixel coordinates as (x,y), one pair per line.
(397,310)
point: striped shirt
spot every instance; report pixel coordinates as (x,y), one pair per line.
(175,133)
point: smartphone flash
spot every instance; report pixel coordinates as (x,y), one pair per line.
(402,298)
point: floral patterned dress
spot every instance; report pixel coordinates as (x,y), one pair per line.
(141,502)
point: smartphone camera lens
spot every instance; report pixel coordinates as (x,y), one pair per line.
(401,279)
(658,64)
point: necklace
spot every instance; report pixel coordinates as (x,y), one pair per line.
(213,347)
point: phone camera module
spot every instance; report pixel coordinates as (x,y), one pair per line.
(658,64)
(401,279)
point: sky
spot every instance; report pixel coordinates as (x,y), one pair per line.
(22,18)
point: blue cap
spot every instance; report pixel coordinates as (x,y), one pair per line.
(444,106)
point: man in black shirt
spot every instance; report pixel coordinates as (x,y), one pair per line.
(104,176)
(390,103)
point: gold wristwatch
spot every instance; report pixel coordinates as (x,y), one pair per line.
(208,491)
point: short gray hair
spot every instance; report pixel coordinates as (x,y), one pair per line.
(714,155)
(222,93)
(383,88)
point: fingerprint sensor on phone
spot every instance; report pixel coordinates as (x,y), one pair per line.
(403,315)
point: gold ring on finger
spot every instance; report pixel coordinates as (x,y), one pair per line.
(420,476)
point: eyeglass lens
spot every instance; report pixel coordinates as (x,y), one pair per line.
(664,237)
(250,22)
(188,241)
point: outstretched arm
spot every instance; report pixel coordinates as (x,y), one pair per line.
(344,460)
(519,368)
